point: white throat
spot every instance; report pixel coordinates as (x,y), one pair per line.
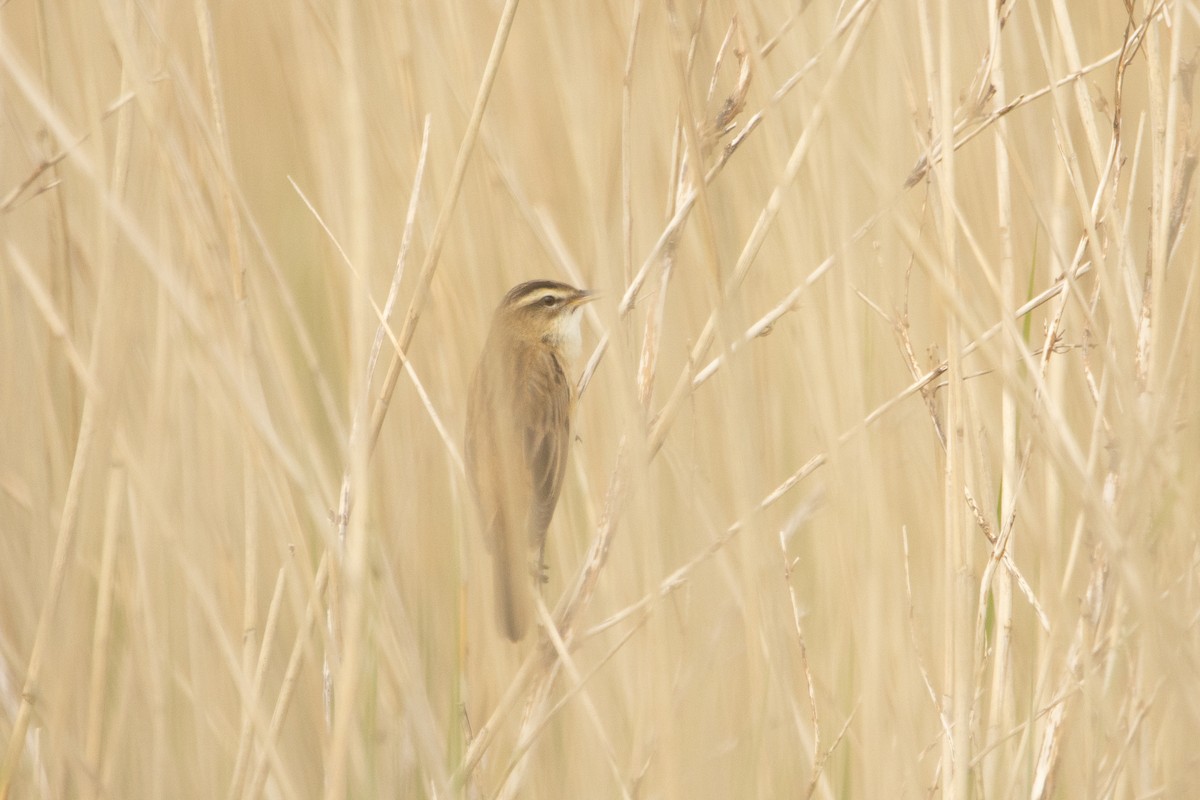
(567,335)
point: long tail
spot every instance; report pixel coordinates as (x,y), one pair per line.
(514,601)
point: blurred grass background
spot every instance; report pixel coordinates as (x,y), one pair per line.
(989,588)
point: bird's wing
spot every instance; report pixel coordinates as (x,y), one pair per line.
(494,450)
(545,424)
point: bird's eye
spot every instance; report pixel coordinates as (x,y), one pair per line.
(549,300)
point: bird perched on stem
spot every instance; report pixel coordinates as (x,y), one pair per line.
(519,434)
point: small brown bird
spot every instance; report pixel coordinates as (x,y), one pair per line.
(519,434)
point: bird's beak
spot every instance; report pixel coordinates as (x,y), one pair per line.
(584,297)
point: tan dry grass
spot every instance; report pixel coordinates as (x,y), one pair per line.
(886,480)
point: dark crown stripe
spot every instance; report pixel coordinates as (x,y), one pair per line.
(526,290)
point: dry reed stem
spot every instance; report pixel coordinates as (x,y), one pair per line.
(1052,334)
(697,146)
(652,334)
(102,630)
(402,656)
(844,24)
(797,519)
(915,642)
(383,316)
(627,146)
(207,603)
(900,327)
(64,546)
(84,374)
(348,608)
(690,169)
(823,759)
(181,298)
(569,694)
(329,663)
(541,665)
(683,387)
(512,776)
(445,213)
(268,756)
(245,741)
(345,495)
(765,324)
(50,315)
(956,700)
(684,206)
(1090,619)
(678,578)
(921,169)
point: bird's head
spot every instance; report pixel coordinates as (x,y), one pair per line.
(546,311)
